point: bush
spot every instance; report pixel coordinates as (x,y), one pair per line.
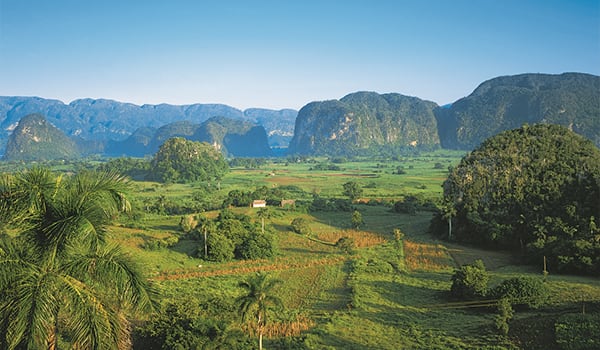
(578,331)
(158,244)
(257,246)
(220,248)
(528,291)
(188,223)
(346,244)
(470,281)
(300,226)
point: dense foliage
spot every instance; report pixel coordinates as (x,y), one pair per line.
(470,281)
(529,291)
(578,331)
(232,236)
(59,280)
(536,188)
(135,168)
(181,160)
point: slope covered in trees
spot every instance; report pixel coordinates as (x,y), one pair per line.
(34,138)
(365,123)
(504,103)
(181,160)
(536,188)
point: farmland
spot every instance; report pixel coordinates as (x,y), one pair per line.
(386,293)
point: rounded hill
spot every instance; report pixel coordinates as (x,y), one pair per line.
(536,188)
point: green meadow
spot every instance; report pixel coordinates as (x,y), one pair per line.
(371,298)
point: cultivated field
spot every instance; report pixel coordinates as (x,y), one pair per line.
(373,298)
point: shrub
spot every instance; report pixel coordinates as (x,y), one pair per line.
(505,314)
(220,248)
(346,244)
(470,281)
(528,291)
(188,223)
(257,246)
(409,205)
(578,331)
(158,244)
(357,219)
(300,226)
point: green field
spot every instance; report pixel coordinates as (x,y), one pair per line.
(370,299)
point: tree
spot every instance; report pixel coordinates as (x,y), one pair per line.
(448,212)
(529,291)
(258,300)
(301,226)
(220,247)
(357,219)
(352,190)
(58,275)
(505,314)
(263,213)
(205,226)
(470,281)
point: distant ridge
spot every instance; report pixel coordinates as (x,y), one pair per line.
(570,99)
(361,123)
(102,119)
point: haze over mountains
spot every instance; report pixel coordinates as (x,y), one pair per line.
(359,123)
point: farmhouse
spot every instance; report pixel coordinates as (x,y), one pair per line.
(259,203)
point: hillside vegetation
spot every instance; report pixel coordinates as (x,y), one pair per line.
(505,103)
(536,189)
(364,123)
(382,284)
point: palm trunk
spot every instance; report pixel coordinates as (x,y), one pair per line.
(205,245)
(260,340)
(450,227)
(263,225)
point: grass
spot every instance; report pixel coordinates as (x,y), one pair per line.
(335,300)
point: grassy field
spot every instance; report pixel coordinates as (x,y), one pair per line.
(335,300)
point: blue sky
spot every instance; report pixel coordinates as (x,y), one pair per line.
(284,54)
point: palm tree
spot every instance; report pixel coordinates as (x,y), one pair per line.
(207,227)
(58,275)
(258,300)
(449,211)
(263,213)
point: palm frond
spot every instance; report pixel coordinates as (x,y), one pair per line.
(115,270)
(90,324)
(31,314)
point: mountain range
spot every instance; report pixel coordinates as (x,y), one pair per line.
(359,123)
(106,120)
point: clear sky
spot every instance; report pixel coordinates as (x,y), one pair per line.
(285,53)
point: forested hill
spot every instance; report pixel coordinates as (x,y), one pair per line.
(36,139)
(504,103)
(365,122)
(104,120)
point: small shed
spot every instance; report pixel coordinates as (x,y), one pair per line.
(259,203)
(287,202)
